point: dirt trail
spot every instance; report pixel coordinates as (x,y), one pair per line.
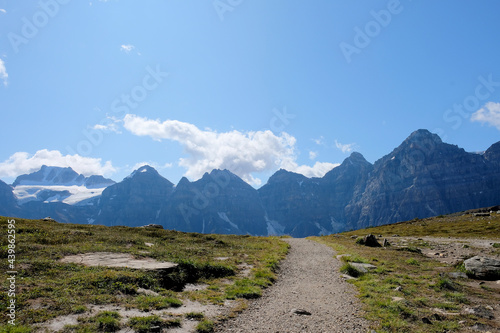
(309,280)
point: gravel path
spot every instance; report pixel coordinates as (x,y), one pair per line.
(309,280)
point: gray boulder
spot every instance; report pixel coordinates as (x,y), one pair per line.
(371,240)
(483,267)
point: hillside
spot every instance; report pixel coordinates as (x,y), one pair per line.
(184,279)
(419,282)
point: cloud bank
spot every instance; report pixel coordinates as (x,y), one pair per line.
(243,153)
(489,114)
(22,163)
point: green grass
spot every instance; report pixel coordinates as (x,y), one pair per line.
(206,326)
(147,324)
(455,225)
(422,287)
(424,283)
(48,288)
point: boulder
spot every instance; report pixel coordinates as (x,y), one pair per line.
(156,226)
(483,267)
(371,241)
(363,268)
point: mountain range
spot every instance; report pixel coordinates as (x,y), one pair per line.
(420,178)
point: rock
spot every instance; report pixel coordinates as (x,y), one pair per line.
(480,311)
(363,268)
(481,327)
(481,214)
(301,312)
(397,299)
(147,292)
(371,241)
(386,243)
(458,275)
(48,219)
(398,288)
(483,267)
(395,236)
(426,320)
(152,225)
(111,259)
(340,256)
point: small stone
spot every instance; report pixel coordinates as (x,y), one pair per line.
(398,288)
(458,275)
(397,299)
(301,312)
(386,243)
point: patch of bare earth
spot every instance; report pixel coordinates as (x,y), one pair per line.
(309,296)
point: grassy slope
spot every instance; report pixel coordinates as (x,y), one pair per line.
(47,288)
(424,283)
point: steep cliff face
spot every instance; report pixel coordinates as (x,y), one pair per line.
(8,205)
(220,202)
(135,201)
(344,186)
(293,203)
(425,177)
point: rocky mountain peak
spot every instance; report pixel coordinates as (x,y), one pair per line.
(422,136)
(493,153)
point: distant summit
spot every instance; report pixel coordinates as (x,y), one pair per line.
(52,175)
(53,184)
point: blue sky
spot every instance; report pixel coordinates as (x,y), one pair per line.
(252,86)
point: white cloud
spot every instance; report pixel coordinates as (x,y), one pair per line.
(243,153)
(127,48)
(319,169)
(319,141)
(3,73)
(313,155)
(3,11)
(489,113)
(108,124)
(345,148)
(22,163)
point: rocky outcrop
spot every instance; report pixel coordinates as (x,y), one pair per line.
(483,267)
(8,202)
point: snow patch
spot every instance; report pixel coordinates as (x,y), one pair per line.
(224,217)
(27,193)
(322,231)
(274,228)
